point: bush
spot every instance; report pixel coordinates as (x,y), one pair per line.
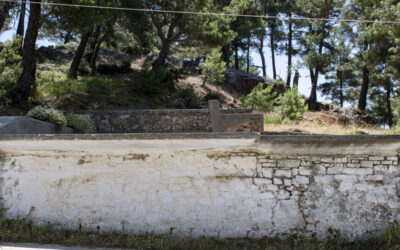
(155,84)
(80,123)
(114,69)
(260,98)
(10,70)
(187,98)
(49,115)
(292,105)
(84,68)
(212,96)
(213,67)
(275,119)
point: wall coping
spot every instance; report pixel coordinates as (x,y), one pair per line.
(207,135)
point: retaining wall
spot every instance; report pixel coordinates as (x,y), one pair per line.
(176,120)
(226,185)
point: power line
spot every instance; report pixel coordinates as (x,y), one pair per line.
(338,20)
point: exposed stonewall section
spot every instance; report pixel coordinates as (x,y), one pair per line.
(219,185)
(176,120)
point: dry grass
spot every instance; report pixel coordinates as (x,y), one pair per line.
(323,130)
(326,124)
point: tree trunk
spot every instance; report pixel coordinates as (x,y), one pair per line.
(248,55)
(261,52)
(236,57)
(290,48)
(27,78)
(92,42)
(388,104)
(362,101)
(21,22)
(341,93)
(68,37)
(162,57)
(296,80)
(312,99)
(273,52)
(73,70)
(226,54)
(4,12)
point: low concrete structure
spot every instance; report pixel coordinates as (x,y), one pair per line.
(25,125)
(222,185)
(213,119)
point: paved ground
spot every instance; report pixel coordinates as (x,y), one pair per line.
(29,246)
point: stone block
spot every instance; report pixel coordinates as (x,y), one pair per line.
(267,172)
(278,181)
(327,160)
(287,182)
(305,171)
(366,164)
(283,173)
(376,158)
(358,171)
(340,160)
(288,163)
(301,180)
(392,158)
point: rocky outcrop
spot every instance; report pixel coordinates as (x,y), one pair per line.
(242,82)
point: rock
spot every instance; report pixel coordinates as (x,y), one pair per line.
(242,82)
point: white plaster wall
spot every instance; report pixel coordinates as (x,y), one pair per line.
(225,188)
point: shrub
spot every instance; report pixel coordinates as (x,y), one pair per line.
(84,68)
(114,69)
(260,98)
(213,67)
(10,70)
(80,123)
(49,115)
(212,96)
(68,46)
(187,98)
(274,119)
(155,84)
(292,105)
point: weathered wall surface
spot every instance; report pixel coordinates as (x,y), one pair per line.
(175,120)
(231,187)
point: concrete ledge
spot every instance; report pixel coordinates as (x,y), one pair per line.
(134,136)
(205,135)
(328,138)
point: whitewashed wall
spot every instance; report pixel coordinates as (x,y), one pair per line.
(212,187)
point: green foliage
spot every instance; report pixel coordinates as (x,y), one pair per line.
(84,68)
(212,96)
(155,84)
(187,98)
(49,115)
(67,46)
(113,69)
(47,84)
(213,67)
(274,119)
(292,105)
(260,98)
(10,70)
(80,123)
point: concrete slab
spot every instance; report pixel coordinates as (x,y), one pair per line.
(25,125)
(32,246)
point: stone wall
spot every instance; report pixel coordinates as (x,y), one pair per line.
(226,185)
(175,120)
